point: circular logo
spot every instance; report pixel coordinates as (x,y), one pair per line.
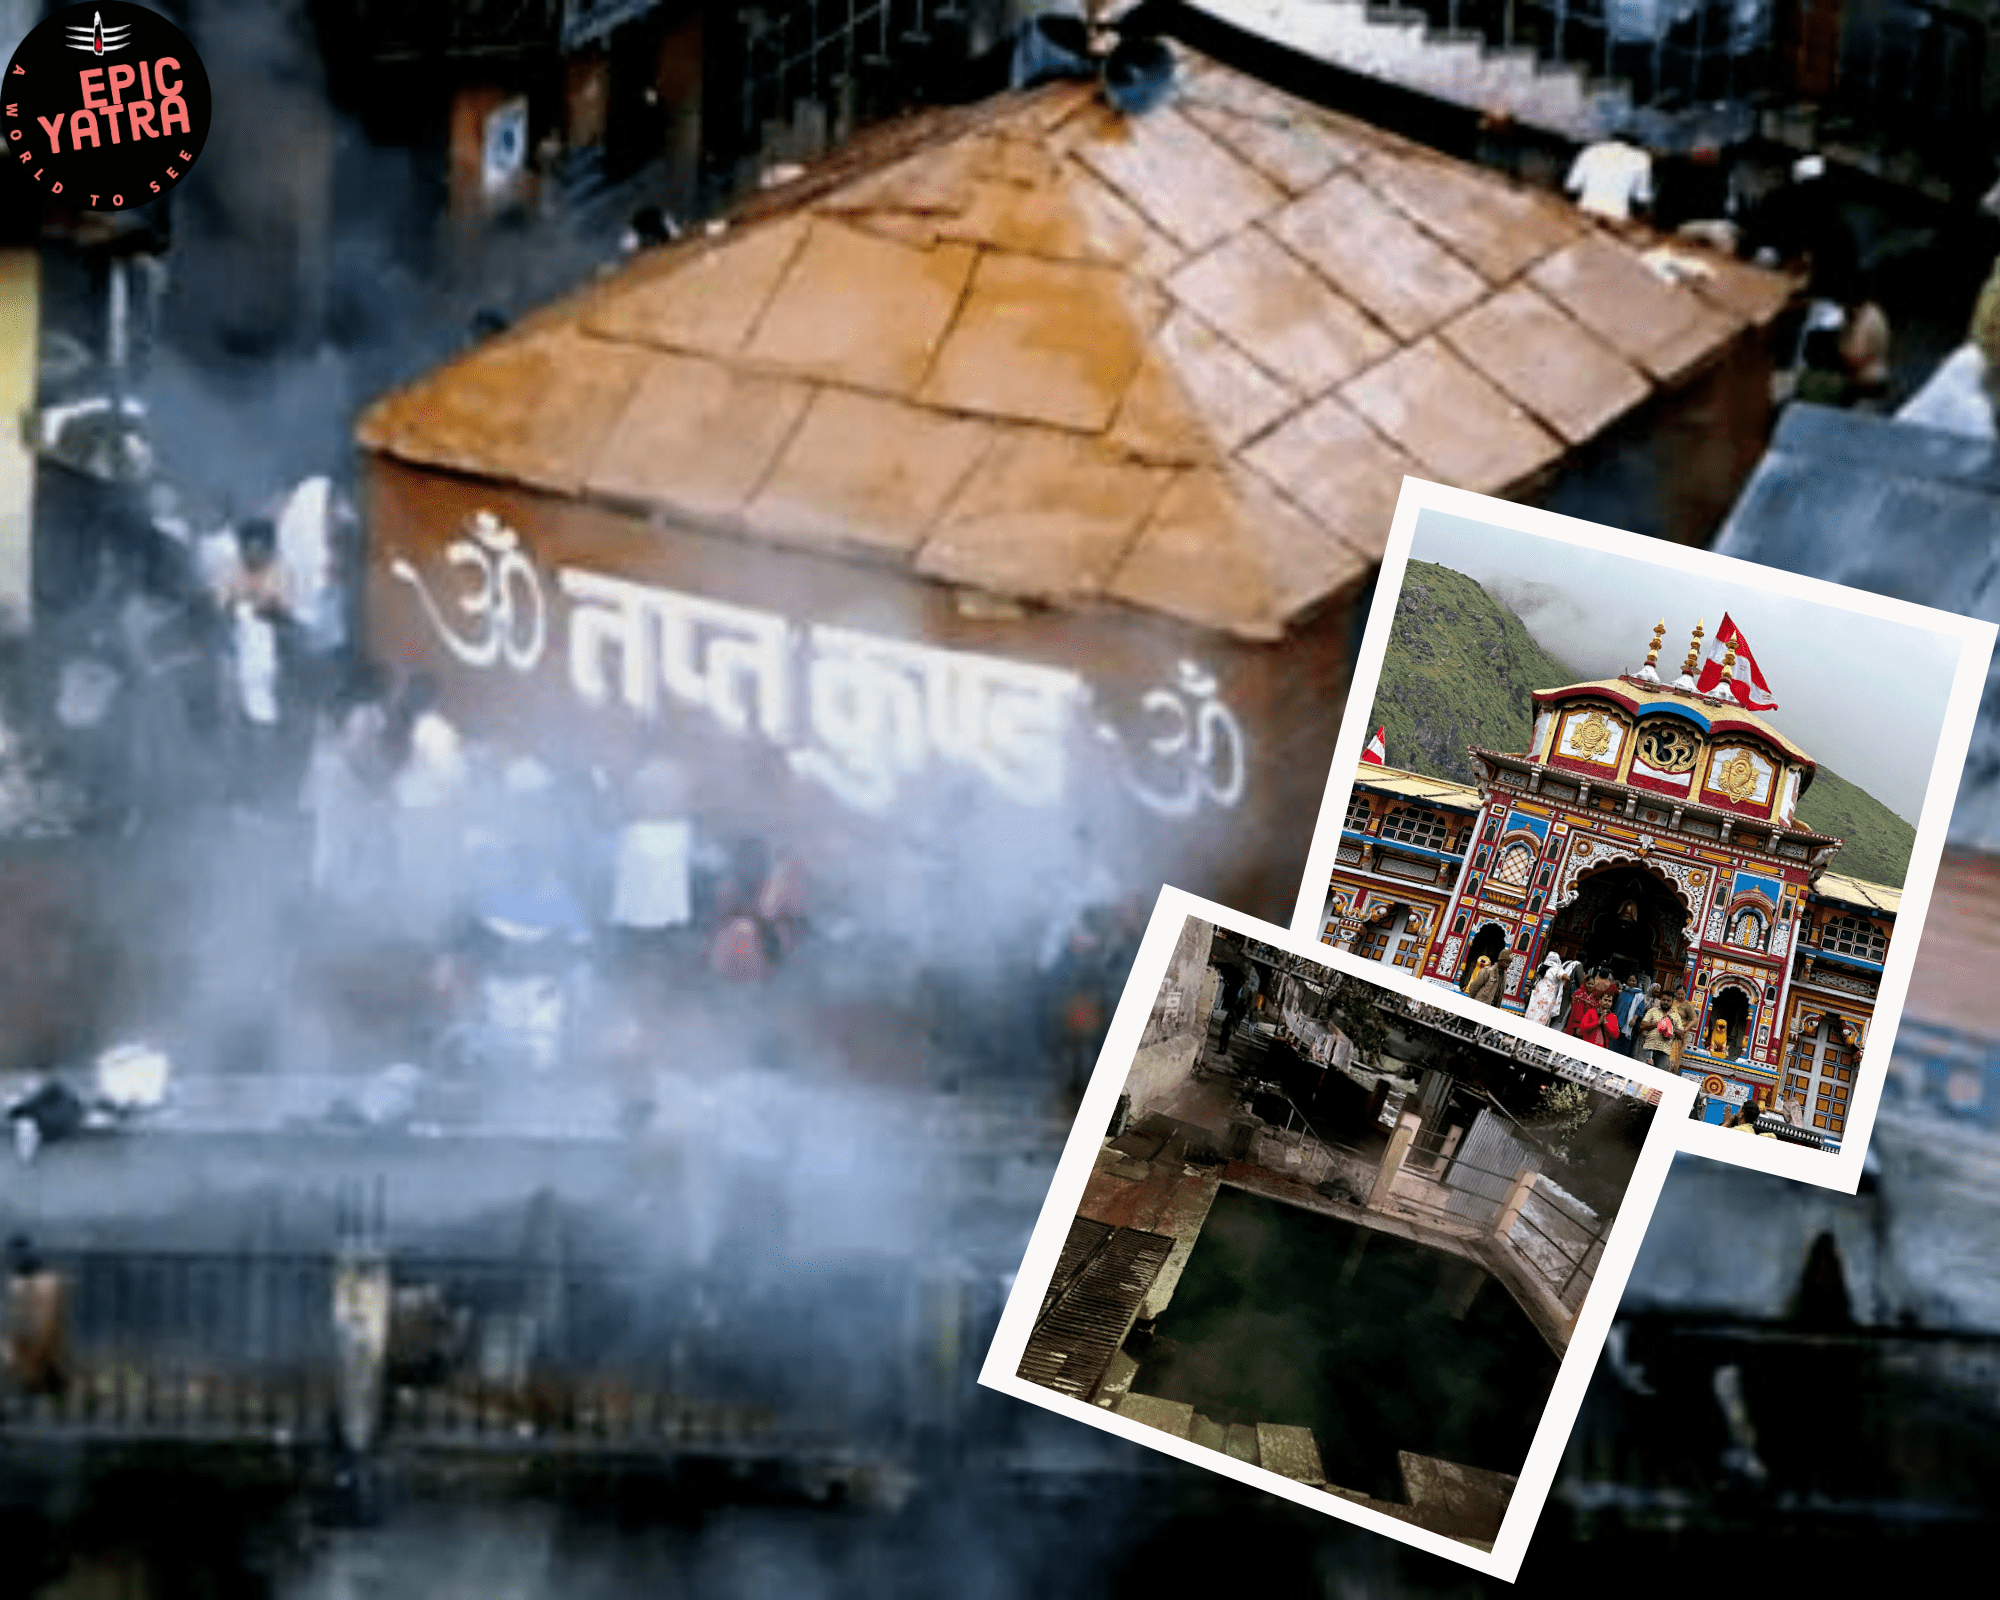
(106,106)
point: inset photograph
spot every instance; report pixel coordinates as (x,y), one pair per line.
(1672,806)
(1335,1235)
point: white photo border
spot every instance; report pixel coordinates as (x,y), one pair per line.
(1600,1305)
(1841,1171)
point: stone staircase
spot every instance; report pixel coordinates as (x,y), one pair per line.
(1402,46)
(1288,1451)
(1443,1497)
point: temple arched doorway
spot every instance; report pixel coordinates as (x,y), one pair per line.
(1489,941)
(1727,1031)
(1627,919)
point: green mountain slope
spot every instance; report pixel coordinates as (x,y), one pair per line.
(1459,671)
(1878,841)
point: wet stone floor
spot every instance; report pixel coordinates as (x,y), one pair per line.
(1375,1344)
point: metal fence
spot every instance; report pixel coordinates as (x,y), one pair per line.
(243,1345)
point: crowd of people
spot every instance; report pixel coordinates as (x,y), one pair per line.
(1632,1015)
(209,701)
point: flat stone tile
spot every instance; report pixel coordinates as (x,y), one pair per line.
(1377,257)
(1289,1451)
(1339,470)
(1664,328)
(1501,228)
(1281,312)
(698,436)
(863,471)
(1037,222)
(1040,341)
(1548,362)
(1209,87)
(529,409)
(1045,515)
(1290,143)
(1451,421)
(1241,1442)
(1186,183)
(1196,396)
(862,310)
(1118,232)
(1210,1435)
(1738,289)
(935,182)
(1169,1416)
(1224,551)
(708,304)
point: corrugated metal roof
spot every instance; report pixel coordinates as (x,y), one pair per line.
(1900,510)
(1858,892)
(1415,786)
(1181,362)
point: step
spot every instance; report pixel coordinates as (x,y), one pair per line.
(1290,1451)
(1208,1434)
(1241,1443)
(1169,1416)
(1458,1501)
(1116,1383)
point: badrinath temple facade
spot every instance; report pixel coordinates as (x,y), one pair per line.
(1652,830)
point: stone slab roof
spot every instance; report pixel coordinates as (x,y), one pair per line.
(1179,363)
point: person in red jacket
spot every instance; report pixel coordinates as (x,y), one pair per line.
(1591,1015)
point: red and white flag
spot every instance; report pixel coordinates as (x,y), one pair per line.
(1378,749)
(1747,684)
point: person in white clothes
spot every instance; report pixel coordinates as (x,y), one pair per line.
(652,900)
(1545,1000)
(1612,179)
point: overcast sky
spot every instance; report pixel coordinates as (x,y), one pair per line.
(1863,697)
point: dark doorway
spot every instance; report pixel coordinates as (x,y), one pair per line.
(1728,1013)
(1488,942)
(1626,919)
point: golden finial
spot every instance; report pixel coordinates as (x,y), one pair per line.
(1729,663)
(1659,633)
(1694,648)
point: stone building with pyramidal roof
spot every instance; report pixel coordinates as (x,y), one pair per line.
(1002,483)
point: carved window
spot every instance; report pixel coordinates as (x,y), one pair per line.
(1412,825)
(1746,928)
(1515,866)
(1668,745)
(1357,813)
(1854,936)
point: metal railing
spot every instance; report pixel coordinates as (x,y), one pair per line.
(1430,1147)
(1330,1151)
(1500,1042)
(1579,1265)
(535,1356)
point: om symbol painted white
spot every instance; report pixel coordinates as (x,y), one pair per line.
(1202,743)
(508,611)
